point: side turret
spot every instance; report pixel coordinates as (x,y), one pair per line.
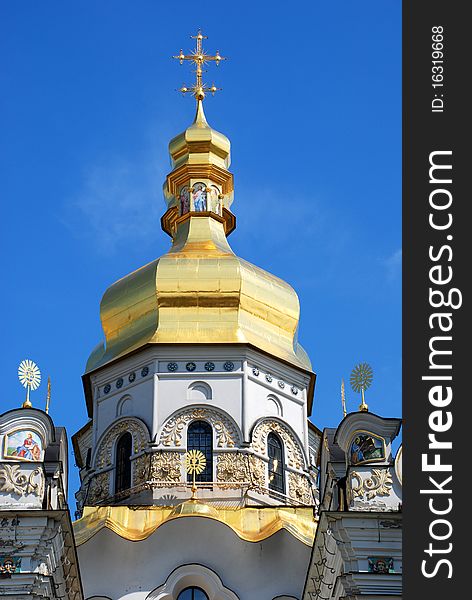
(37,552)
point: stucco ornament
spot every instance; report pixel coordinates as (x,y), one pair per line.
(166,466)
(141,469)
(378,484)
(294,454)
(138,430)
(15,480)
(99,488)
(257,472)
(225,431)
(232,467)
(299,489)
(200,576)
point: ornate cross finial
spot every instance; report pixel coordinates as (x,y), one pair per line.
(200,58)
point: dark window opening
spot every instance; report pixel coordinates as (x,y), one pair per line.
(276,463)
(88,460)
(200,437)
(123,463)
(192,593)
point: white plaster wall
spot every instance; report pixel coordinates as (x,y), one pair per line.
(155,394)
(173,393)
(154,397)
(120,569)
(141,396)
(256,406)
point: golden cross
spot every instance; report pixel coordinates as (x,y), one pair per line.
(199,58)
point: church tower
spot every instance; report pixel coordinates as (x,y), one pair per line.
(200,358)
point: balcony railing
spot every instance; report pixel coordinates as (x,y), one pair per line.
(214,492)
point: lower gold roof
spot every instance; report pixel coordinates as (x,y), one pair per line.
(249,523)
(200,292)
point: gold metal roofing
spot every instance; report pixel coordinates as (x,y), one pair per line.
(199,292)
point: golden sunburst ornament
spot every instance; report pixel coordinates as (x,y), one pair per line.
(195,463)
(30,378)
(361,379)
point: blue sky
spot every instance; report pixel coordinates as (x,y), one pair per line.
(312,105)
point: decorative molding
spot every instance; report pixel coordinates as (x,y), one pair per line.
(138,430)
(196,575)
(257,472)
(371,506)
(99,488)
(231,466)
(398,464)
(14,479)
(378,484)
(166,466)
(293,451)
(141,469)
(225,431)
(299,489)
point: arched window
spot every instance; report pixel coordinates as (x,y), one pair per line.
(192,593)
(200,437)
(276,463)
(123,462)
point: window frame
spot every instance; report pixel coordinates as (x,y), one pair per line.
(279,471)
(193,588)
(123,471)
(206,448)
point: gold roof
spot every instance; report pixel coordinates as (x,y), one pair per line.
(199,292)
(252,524)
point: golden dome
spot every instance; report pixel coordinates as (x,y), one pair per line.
(199,292)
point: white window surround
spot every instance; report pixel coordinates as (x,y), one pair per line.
(273,406)
(198,391)
(192,576)
(124,407)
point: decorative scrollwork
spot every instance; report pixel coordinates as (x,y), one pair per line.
(134,426)
(225,431)
(257,472)
(293,451)
(231,466)
(141,469)
(99,488)
(15,480)
(378,484)
(166,466)
(299,488)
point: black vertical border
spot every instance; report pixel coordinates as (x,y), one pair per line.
(423,133)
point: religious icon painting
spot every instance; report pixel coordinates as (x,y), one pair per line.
(9,565)
(213,198)
(184,199)
(199,197)
(366,447)
(23,444)
(381,564)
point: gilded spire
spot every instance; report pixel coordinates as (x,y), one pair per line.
(200,183)
(200,58)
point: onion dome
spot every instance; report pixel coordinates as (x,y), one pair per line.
(199,292)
